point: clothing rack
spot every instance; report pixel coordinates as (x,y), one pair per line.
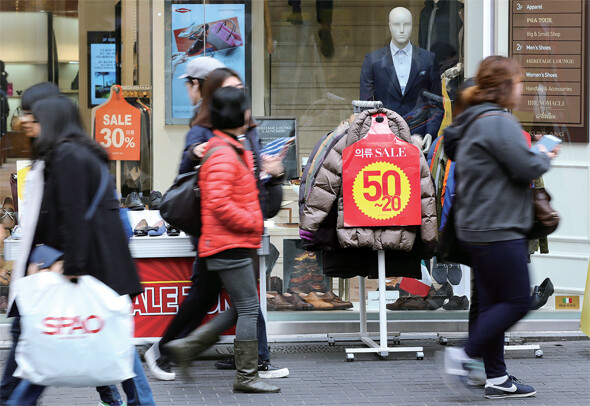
(382,349)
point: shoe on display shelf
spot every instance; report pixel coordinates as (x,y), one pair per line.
(158,364)
(511,388)
(457,303)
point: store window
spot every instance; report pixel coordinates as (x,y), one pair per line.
(322,55)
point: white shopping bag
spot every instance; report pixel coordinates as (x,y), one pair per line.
(73,334)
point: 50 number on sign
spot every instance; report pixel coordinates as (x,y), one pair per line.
(381,190)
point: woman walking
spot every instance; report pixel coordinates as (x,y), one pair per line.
(68,168)
(493,213)
(231,227)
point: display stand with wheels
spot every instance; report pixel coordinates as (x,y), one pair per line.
(443,339)
(380,188)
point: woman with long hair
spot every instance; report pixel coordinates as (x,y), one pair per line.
(69,167)
(493,213)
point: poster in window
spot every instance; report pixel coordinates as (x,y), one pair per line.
(215,30)
(102,66)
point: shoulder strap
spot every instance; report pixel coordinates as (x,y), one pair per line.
(102,187)
(233,148)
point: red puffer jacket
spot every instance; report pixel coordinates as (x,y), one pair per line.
(230,209)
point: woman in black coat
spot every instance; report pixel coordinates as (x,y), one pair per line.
(78,215)
(94,246)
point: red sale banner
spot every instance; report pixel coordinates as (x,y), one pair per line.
(381,179)
(117,127)
(166,283)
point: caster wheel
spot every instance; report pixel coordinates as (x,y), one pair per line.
(331,342)
(443,341)
(349,357)
(538,353)
(420,355)
(396,341)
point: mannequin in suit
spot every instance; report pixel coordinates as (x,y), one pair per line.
(397,73)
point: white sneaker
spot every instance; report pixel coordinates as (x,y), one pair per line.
(151,358)
(268,371)
(459,370)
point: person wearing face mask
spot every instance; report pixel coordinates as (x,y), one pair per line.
(232,224)
(206,287)
(397,73)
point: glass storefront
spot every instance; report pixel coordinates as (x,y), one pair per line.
(303,63)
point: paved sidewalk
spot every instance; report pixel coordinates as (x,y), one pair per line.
(320,375)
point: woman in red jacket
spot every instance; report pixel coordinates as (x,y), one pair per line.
(231,227)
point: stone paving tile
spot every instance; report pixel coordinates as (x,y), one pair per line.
(561,377)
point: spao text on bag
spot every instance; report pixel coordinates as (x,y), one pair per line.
(72,325)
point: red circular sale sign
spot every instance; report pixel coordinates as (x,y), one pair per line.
(117,127)
(381,180)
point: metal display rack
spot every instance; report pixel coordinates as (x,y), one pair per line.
(381,349)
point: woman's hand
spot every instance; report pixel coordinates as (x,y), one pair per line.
(550,154)
(273,166)
(199,150)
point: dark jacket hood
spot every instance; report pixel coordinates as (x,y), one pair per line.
(455,131)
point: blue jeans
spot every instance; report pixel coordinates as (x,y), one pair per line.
(137,389)
(503,286)
(10,382)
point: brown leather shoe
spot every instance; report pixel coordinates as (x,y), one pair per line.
(297,302)
(316,299)
(274,301)
(338,303)
(305,289)
(316,277)
(319,287)
(398,304)
(300,280)
(409,303)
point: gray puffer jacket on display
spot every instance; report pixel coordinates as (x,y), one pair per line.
(327,189)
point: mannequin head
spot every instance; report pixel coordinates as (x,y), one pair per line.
(400,26)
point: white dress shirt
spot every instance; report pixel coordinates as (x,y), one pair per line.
(402,61)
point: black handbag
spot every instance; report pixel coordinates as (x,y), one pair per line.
(181,204)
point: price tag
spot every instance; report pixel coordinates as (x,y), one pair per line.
(381,181)
(117,128)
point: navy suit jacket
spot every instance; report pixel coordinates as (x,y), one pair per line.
(379,82)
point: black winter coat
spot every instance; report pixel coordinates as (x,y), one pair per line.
(97,246)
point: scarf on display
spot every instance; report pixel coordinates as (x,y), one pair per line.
(33,196)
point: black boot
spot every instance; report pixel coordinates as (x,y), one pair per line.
(247,379)
(185,350)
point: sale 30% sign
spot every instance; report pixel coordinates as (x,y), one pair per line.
(381,179)
(117,127)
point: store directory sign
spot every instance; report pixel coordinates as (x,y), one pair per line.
(220,31)
(102,66)
(549,39)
